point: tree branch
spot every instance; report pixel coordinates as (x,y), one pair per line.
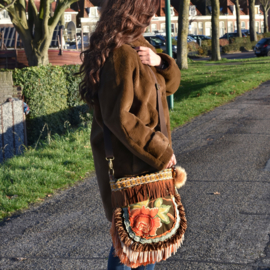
(9,5)
(46,17)
(33,6)
(60,9)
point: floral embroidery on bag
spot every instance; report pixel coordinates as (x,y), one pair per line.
(144,221)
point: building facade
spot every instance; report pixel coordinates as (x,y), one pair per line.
(70,15)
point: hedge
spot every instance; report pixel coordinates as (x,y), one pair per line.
(52,95)
(232,45)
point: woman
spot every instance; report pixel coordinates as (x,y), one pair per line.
(118,82)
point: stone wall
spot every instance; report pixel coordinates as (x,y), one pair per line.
(12,119)
(7,88)
(12,129)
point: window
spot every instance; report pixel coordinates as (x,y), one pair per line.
(173,28)
(209,9)
(256,10)
(257,27)
(153,27)
(221,29)
(243,25)
(67,18)
(93,28)
(200,28)
(208,29)
(86,28)
(163,27)
(93,12)
(230,27)
(192,11)
(172,11)
(194,28)
(262,27)
(4,15)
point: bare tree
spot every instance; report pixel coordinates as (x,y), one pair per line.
(266,7)
(182,50)
(36,29)
(215,30)
(238,22)
(7,5)
(253,35)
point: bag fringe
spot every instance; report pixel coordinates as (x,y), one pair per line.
(154,190)
(134,254)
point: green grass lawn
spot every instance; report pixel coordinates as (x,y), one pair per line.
(64,160)
(39,172)
(206,85)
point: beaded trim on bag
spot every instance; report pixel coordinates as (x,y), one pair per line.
(123,183)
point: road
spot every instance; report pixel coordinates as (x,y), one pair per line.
(240,55)
(227,198)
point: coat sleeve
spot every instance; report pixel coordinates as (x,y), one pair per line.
(171,74)
(116,95)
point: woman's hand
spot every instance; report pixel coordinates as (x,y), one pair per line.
(172,162)
(148,57)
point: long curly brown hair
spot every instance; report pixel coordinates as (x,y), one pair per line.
(121,21)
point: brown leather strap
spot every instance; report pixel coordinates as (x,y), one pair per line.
(162,124)
(108,142)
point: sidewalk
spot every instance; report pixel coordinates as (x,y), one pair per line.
(227,201)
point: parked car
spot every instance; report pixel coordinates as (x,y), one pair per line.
(163,38)
(189,39)
(244,31)
(262,47)
(201,37)
(231,35)
(158,43)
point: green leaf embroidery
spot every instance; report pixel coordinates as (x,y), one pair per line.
(140,204)
(162,210)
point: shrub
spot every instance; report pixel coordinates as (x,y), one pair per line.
(266,35)
(223,42)
(193,46)
(52,95)
(204,50)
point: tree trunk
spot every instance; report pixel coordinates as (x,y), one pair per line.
(182,49)
(215,30)
(238,22)
(36,52)
(265,11)
(253,35)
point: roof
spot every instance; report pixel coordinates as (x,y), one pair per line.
(161,9)
(198,12)
(230,3)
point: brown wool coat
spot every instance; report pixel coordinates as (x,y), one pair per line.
(128,107)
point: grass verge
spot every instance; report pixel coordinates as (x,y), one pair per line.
(63,160)
(54,164)
(206,85)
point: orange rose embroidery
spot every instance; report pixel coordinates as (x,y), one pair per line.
(143,221)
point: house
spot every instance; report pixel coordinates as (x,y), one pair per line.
(70,15)
(89,15)
(201,23)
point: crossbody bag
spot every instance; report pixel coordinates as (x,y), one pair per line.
(149,222)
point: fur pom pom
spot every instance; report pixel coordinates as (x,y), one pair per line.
(180,176)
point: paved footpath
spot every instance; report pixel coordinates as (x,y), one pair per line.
(227,201)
